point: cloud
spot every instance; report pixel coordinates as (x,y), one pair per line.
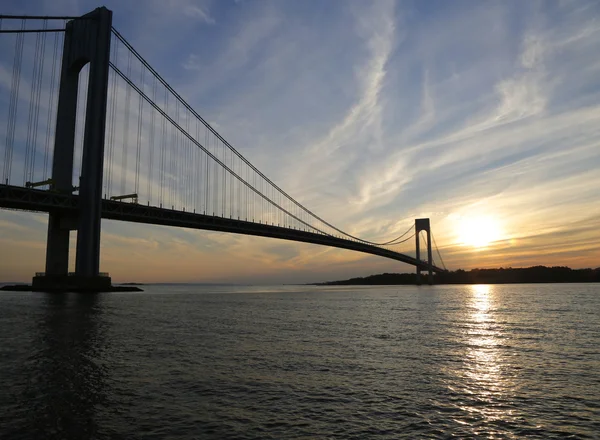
(198,12)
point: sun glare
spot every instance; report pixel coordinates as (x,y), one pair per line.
(478,231)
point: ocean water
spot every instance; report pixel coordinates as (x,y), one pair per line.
(502,361)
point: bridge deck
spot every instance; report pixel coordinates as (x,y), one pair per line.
(16,197)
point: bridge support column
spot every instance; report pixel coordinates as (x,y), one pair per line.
(57,247)
(90,192)
(423,224)
(87,40)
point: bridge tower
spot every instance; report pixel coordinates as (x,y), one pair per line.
(87,40)
(423,224)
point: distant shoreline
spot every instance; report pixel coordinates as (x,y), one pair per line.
(527,275)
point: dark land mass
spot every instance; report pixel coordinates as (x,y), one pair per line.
(536,274)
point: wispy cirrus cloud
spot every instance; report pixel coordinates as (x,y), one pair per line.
(198,12)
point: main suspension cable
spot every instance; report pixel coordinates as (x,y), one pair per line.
(194,141)
(406,239)
(438,251)
(220,138)
(44,17)
(398,238)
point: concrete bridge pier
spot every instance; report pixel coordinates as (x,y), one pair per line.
(423,224)
(87,40)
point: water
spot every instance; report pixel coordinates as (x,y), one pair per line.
(508,361)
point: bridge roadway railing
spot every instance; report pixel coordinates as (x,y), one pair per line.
(15,197)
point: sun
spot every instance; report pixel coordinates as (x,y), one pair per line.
(478,231)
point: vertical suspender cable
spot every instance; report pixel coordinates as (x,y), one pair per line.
(162,153)
(231,201)
(186,163)
(197,168)
(34,105)
(114,98)
(38,98)
(438,251)
(206,208)
(49,119)
(301,214)
(165,153)
(12,108)
(26,162)
(182,160)
(110,129)
(174,171)
(126,127)
(215,181)
(189,165)
(151,156)
(173,178)
(139,134)
(224,183)
(239,193)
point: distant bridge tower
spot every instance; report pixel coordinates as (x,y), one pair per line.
(423,224)
(87,40)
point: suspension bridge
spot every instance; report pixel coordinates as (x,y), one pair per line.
(93,131)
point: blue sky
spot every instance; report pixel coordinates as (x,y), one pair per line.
(371,114)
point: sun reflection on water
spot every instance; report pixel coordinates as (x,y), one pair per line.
(481,376)
(481,302)
(482,340)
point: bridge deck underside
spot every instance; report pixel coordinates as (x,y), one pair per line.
(14,197)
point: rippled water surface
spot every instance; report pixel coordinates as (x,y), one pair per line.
(510,361)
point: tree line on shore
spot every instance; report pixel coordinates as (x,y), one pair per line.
(535,274)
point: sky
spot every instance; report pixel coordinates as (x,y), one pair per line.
(482,115)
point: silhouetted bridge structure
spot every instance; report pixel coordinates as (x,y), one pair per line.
(127,147)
